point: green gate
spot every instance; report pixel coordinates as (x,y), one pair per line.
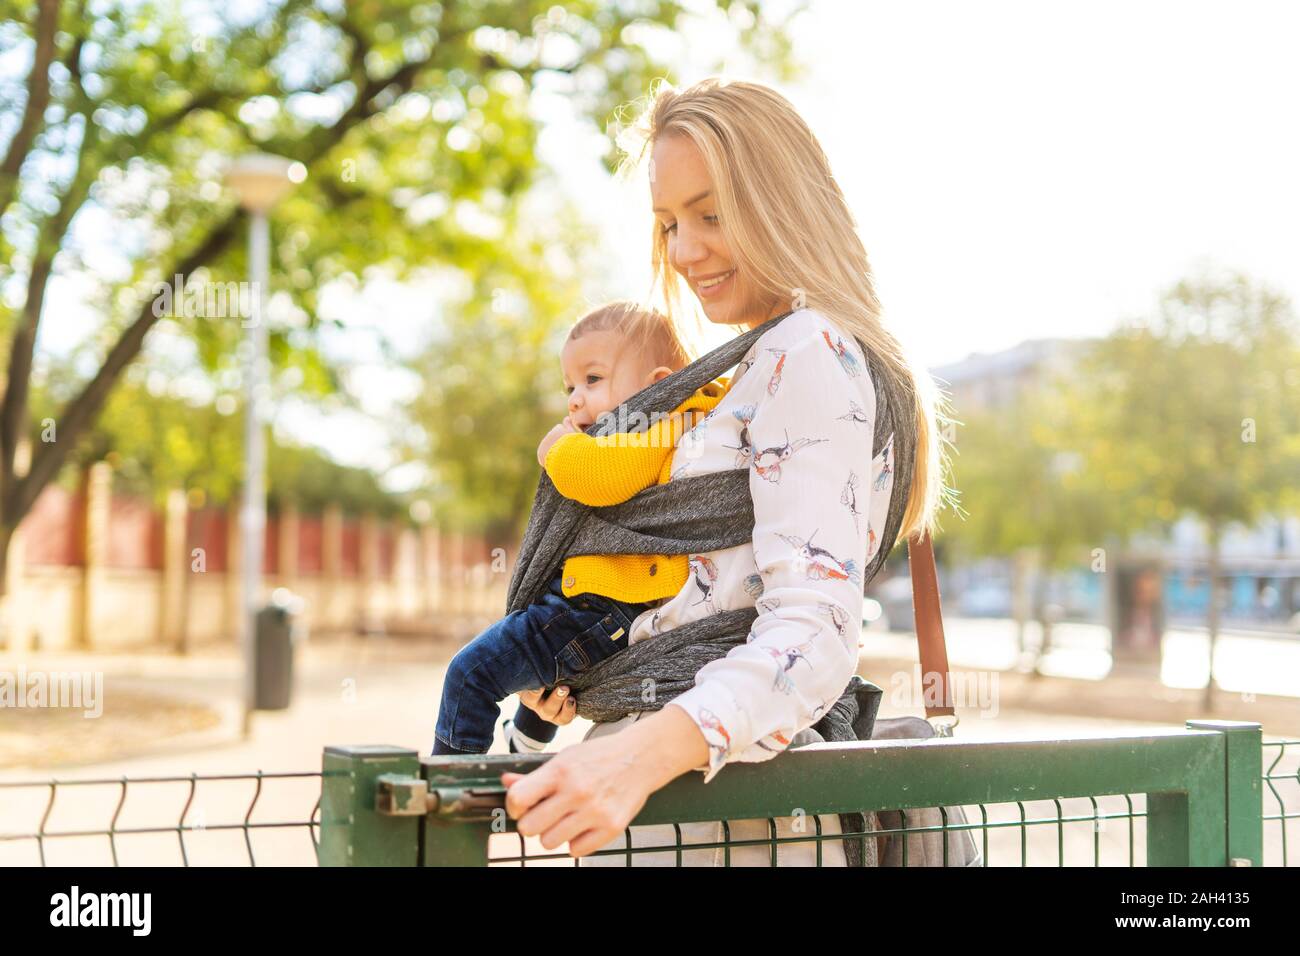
(1194,796)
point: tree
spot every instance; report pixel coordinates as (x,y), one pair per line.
(1195,410)
(412,120)
(1022,477)
(492,388)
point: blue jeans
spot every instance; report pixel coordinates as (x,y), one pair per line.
(540,646)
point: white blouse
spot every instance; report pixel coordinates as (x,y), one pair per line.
(800,414)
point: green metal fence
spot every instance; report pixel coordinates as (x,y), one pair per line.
(1210,794)
(1181,797)
(235,819)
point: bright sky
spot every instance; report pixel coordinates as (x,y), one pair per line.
(1021,170)
(1018,170)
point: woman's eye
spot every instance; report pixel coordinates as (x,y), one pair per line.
(665,230)
(712,219)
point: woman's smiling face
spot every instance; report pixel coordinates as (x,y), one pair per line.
(686,208)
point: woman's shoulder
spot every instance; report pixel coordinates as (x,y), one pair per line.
(809,329)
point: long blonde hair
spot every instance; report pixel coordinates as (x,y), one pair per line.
(790,231)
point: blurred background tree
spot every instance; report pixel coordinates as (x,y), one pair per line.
(1029,494)
(1195,410)
(1192,410)
(412,119)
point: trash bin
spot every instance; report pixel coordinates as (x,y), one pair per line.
(278,629)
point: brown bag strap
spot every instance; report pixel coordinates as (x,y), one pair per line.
(931,646)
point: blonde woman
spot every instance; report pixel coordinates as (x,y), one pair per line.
(751,222)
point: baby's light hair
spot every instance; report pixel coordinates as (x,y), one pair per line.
(648,332)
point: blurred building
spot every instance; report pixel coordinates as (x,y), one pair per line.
(987,380)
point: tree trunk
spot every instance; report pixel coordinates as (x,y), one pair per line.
(6,599)
(1020,569)
(1212,622)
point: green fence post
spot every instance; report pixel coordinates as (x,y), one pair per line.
(352,832)
(1243,781)
(1185,826)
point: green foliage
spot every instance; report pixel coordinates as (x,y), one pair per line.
(493,384)
(1194,410)
(158,441)
(414,121)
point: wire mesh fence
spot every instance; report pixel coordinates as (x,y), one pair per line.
(1281,817)
(1093,831)
(194,820)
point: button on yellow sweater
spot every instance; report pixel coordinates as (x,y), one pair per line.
(608,471)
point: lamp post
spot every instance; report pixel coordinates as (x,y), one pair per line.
(260,180)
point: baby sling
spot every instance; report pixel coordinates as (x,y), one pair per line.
(698,514)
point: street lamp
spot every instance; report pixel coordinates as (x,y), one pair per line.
(259,180)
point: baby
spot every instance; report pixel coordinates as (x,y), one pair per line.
(587,611)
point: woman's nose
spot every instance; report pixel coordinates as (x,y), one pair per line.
(688,250)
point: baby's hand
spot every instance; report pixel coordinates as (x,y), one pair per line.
(566,427)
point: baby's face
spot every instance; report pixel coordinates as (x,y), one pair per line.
(600,373)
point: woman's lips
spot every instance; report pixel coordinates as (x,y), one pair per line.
(716,285)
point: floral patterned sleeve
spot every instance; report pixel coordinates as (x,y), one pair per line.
(810,463)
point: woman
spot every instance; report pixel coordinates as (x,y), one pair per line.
(749,217)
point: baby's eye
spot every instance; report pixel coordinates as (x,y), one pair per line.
(593,379)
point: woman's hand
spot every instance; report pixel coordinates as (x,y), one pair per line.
(587,794)
(556,705)
(565,427)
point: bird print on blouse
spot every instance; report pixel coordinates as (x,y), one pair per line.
(848,361)
(785,659)
(820,564)
(704,574)
(855,414)
(745,365)
(715,734)
(774,382)
(781,740)
(849,497)
(887,469)
(839,617)
(745,450)
(768,462)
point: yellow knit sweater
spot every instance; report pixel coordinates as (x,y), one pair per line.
(610,470)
